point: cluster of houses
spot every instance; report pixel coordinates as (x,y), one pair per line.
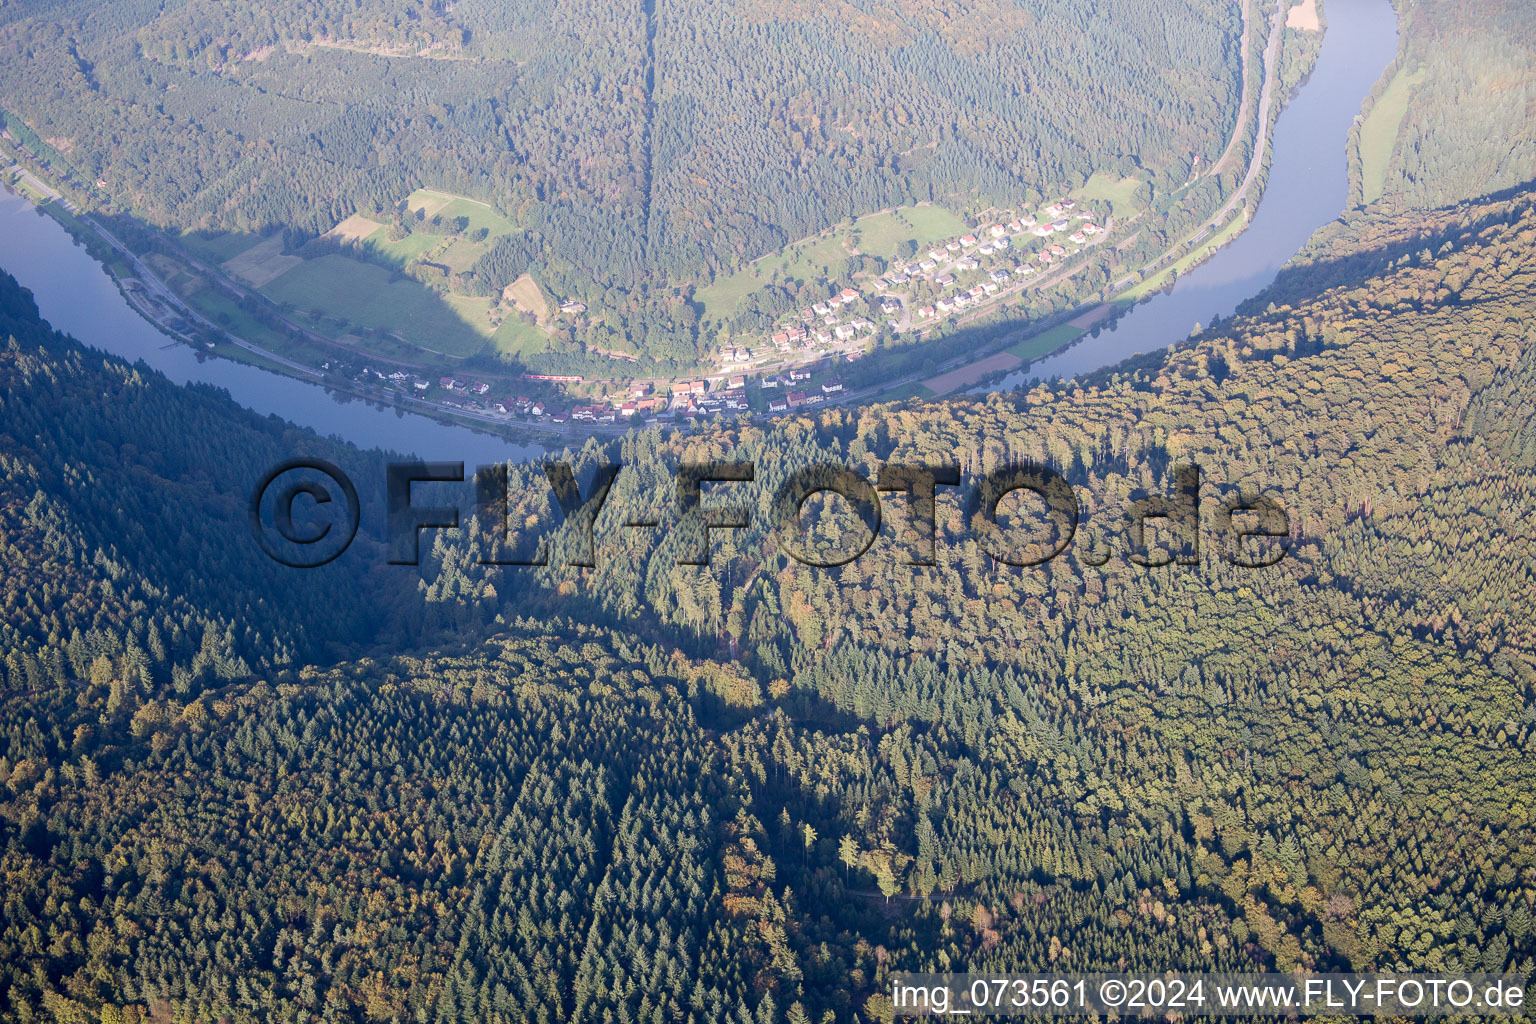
(825,324)
(686,400)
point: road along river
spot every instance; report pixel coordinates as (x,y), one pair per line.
(1307,187)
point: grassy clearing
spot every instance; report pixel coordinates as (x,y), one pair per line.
(437,244)
(370,297)
(403,251)
(473,311)
(1378,135)
(479,217)
(725,295)
(517,337)
(1119,193)
(1046,342)
(461,254)
(878,234)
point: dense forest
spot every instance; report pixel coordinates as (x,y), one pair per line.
(1460,99)
(641,147)
(748,791)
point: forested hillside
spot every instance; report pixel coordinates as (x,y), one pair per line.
(1453,118)
(748,791)
(121,495)
(639,146)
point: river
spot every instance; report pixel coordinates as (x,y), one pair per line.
(1307,188)
(77,296)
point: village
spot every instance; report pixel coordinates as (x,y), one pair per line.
(950,277)
(794,365)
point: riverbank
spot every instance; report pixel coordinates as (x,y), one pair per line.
(1033,345)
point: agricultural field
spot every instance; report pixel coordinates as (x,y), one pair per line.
(370,297)
(367,301)
(216,247)
(1045,342)
(262,263)
(524,293)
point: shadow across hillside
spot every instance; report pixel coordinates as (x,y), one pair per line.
(1367,243)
